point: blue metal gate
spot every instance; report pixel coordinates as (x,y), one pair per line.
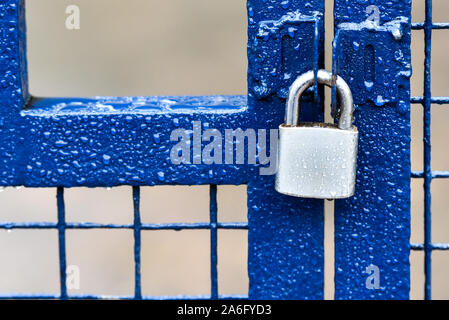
(68,142)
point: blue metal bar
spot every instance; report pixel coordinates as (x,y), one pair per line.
(213,241)
(285,235)
(433,246)
(435,26)
(433,175)
(29,225)
(118,128)
(61,236)
(433,100)
(59,106)
(427,152)
(362,227)
(148,226)
(137,243)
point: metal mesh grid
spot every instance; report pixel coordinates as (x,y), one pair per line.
(61,225)
(427,174)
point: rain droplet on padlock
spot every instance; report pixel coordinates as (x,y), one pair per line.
(327,152)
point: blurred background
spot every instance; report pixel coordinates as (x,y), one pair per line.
(176,47)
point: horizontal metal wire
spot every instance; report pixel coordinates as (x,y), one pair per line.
(432,246)
(434,100)
(148,226)
(435,25)
(106,297)
(61,225)
(433,174)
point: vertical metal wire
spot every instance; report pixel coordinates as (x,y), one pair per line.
(61,225)
(137,243)
(213,241)
(427,153)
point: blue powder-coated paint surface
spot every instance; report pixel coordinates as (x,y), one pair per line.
(373,227)
(13,88)
(285,255)
(116,141)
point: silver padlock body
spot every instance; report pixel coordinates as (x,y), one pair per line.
(317,161)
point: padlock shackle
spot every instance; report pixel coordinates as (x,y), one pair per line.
(303,82)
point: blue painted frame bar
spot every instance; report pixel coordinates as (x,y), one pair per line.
(286,256)
(372,229)
(122,141)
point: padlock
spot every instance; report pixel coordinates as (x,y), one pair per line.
(317,160)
